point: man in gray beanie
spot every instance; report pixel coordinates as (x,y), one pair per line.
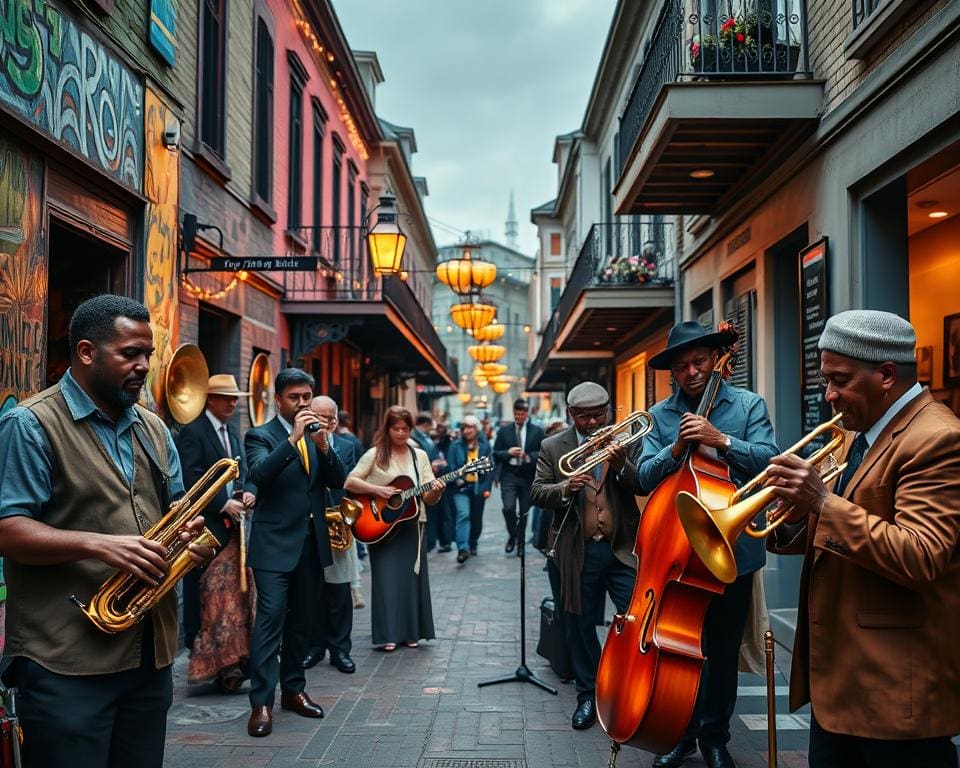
(595,526)
(879,608)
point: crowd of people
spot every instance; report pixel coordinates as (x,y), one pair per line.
(86,471)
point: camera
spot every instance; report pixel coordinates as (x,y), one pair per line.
(312,427)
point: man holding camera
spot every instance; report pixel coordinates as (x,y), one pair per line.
(291,462)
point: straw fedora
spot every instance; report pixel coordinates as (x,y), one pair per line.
(224,384)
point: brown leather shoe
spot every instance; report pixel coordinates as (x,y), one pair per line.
(301,704)
(260,722)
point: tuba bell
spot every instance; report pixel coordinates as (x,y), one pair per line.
(596,449)
(339,520)
(714,532)
(124,599)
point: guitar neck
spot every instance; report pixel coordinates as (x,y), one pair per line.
(422,489)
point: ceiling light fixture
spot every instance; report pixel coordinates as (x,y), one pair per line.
(701,173)
(938,214)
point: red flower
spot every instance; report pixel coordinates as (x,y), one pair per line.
(695,49)
(728,24)
(740,37)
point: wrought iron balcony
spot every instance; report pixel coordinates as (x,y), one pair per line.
(751,39)
(378,311)
(623,276)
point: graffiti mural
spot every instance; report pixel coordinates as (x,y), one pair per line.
(23,274)
(163,29)
(161,184)
(68,84)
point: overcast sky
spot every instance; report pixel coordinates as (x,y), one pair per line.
(486,86)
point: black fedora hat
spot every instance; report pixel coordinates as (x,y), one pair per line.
(688,335)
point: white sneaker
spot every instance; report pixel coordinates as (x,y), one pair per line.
(358,601)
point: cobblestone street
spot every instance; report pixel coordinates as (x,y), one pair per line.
(422,707)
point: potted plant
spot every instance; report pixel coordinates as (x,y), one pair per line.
(629,269)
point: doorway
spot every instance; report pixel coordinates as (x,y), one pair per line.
(80,266)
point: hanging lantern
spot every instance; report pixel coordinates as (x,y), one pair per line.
(490,332)
(466,276)
(464,397)
(386,240)
(470,316)
(487,353)
(493,369)
(501,387)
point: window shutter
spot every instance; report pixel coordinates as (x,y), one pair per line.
(739,310)
(706,320)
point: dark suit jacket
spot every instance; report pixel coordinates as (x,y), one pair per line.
(547,492)
(286,497)
(506,439)
(879,608)
(200,448)
(349,452)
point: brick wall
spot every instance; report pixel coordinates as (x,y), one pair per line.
(830,22)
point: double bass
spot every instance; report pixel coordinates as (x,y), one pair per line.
(652,660)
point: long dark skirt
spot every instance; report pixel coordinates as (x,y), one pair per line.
(400,599)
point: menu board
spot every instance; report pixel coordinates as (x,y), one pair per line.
(813,314)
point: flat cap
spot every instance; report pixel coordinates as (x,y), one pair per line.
(869,335)
(589,394)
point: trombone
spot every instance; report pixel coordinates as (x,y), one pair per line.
(597,448)
(713,532)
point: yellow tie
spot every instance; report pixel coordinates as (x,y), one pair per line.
(304,454)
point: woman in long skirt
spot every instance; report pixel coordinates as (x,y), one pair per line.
(401,611)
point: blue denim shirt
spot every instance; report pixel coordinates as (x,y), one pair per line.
(26,458)
(739,414)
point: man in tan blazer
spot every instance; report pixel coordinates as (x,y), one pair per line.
(877,651)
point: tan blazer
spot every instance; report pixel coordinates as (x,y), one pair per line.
(877,647)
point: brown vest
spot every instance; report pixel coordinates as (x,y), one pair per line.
(89,493)
(596,510)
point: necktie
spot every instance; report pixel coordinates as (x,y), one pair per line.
(304,454)
(857,451)
(225,439)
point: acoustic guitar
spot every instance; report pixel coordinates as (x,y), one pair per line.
(377,516)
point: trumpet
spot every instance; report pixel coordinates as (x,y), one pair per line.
(339,520)
(124,599)
(597,448)
(713,532)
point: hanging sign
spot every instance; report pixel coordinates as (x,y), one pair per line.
(814,310)
(261,264)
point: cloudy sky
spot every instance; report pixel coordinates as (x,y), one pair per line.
(486,86)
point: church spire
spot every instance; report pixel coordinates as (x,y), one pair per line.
(511,225)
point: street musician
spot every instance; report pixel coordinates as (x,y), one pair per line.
(739,430)
(594,526)
(876,649)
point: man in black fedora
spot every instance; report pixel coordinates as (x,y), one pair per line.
(738,429)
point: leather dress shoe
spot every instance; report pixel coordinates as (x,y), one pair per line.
(717,757)
(260,722)
(675,757)
(510,545)
(301,704)
(343,662)
(584,716)
(462,556)
(313,658)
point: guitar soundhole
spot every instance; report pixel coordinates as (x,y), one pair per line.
(395,501)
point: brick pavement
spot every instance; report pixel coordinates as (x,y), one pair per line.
(421,708)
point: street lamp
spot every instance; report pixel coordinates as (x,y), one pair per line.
(386,240)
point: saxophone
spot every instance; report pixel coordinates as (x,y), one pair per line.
(124,599)
(339,520)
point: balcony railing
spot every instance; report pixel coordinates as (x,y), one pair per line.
(344,274)
(862,9)
(705,39)
(617,256)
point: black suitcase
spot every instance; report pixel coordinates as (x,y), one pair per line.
(552,644)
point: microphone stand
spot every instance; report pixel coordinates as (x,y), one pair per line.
(523,673)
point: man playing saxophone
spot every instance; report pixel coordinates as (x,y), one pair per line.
(595,520)
(85,472)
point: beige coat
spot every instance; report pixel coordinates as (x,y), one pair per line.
(877,647)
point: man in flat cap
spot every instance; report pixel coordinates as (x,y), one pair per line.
(876,650)
(738,430)
(515,450)
(595,520)
(213,599)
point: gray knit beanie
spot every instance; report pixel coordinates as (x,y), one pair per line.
(869,335)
